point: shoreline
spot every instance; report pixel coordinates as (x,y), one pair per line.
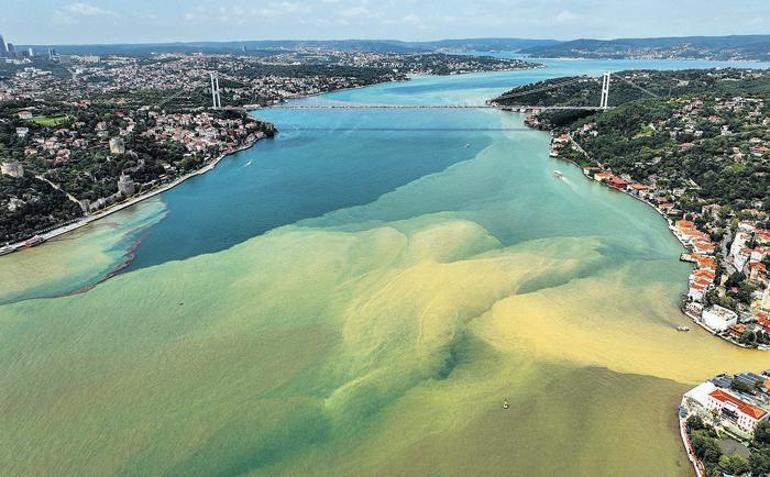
(82,222)
(697,465)
(671,229)
(249,108)
(409,77)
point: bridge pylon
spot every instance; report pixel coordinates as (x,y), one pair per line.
(604,103)
(216,100)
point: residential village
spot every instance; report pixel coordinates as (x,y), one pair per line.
(93,157)
(727,238)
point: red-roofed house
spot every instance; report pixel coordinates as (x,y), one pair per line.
(603,176)
(639,190)
(735,410)
(617,183)
(763,321)
(757,271)
(704,261)
(704,247)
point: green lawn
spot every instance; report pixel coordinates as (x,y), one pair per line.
(51,121)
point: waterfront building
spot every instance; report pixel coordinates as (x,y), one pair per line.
(723,407)
(13,169)
(117,146)
(718,318)
(126,186)
(766,299)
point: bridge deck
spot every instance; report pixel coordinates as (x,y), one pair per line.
(434,106)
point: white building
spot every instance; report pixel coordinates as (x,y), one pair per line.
(736,411)
(13,169)
(117,146)
(740,259)
(766,299)
(718,318)
(126,186)
(722,407)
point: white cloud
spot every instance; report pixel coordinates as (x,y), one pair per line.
(411,19)
(86,10)
(566,16)
(356,12)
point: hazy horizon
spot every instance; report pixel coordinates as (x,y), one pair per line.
(142,21)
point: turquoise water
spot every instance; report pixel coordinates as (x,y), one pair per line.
(327,160)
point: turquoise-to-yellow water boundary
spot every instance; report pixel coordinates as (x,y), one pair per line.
(379,338)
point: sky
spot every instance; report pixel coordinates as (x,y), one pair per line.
(143,21)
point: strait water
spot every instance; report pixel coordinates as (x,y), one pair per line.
(358,297)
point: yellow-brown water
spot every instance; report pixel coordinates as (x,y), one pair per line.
(381,339)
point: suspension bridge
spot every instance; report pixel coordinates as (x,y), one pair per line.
(497,103)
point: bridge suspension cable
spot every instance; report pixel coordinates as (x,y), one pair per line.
(540,89)
(644,90)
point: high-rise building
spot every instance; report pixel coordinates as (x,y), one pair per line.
(3,47)
(31,52)
(11,50)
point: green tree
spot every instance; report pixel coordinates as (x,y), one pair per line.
(695,423)
(733,465)
(762,434)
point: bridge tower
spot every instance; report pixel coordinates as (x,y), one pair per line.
(215,98)
(605,101)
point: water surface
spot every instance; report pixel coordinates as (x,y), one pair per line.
(359,297)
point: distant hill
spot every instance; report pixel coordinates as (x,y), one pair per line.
(735,47)
(271,46)
(488,44)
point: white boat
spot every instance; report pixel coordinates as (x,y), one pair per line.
(558,174)
(682,328)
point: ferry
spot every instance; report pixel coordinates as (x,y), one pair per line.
(36,240)
(558,174)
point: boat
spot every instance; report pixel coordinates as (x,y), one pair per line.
(682,328)
(36,240)
(467,146)
(506,405)
(558,174)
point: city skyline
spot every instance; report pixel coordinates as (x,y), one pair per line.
(142,21)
